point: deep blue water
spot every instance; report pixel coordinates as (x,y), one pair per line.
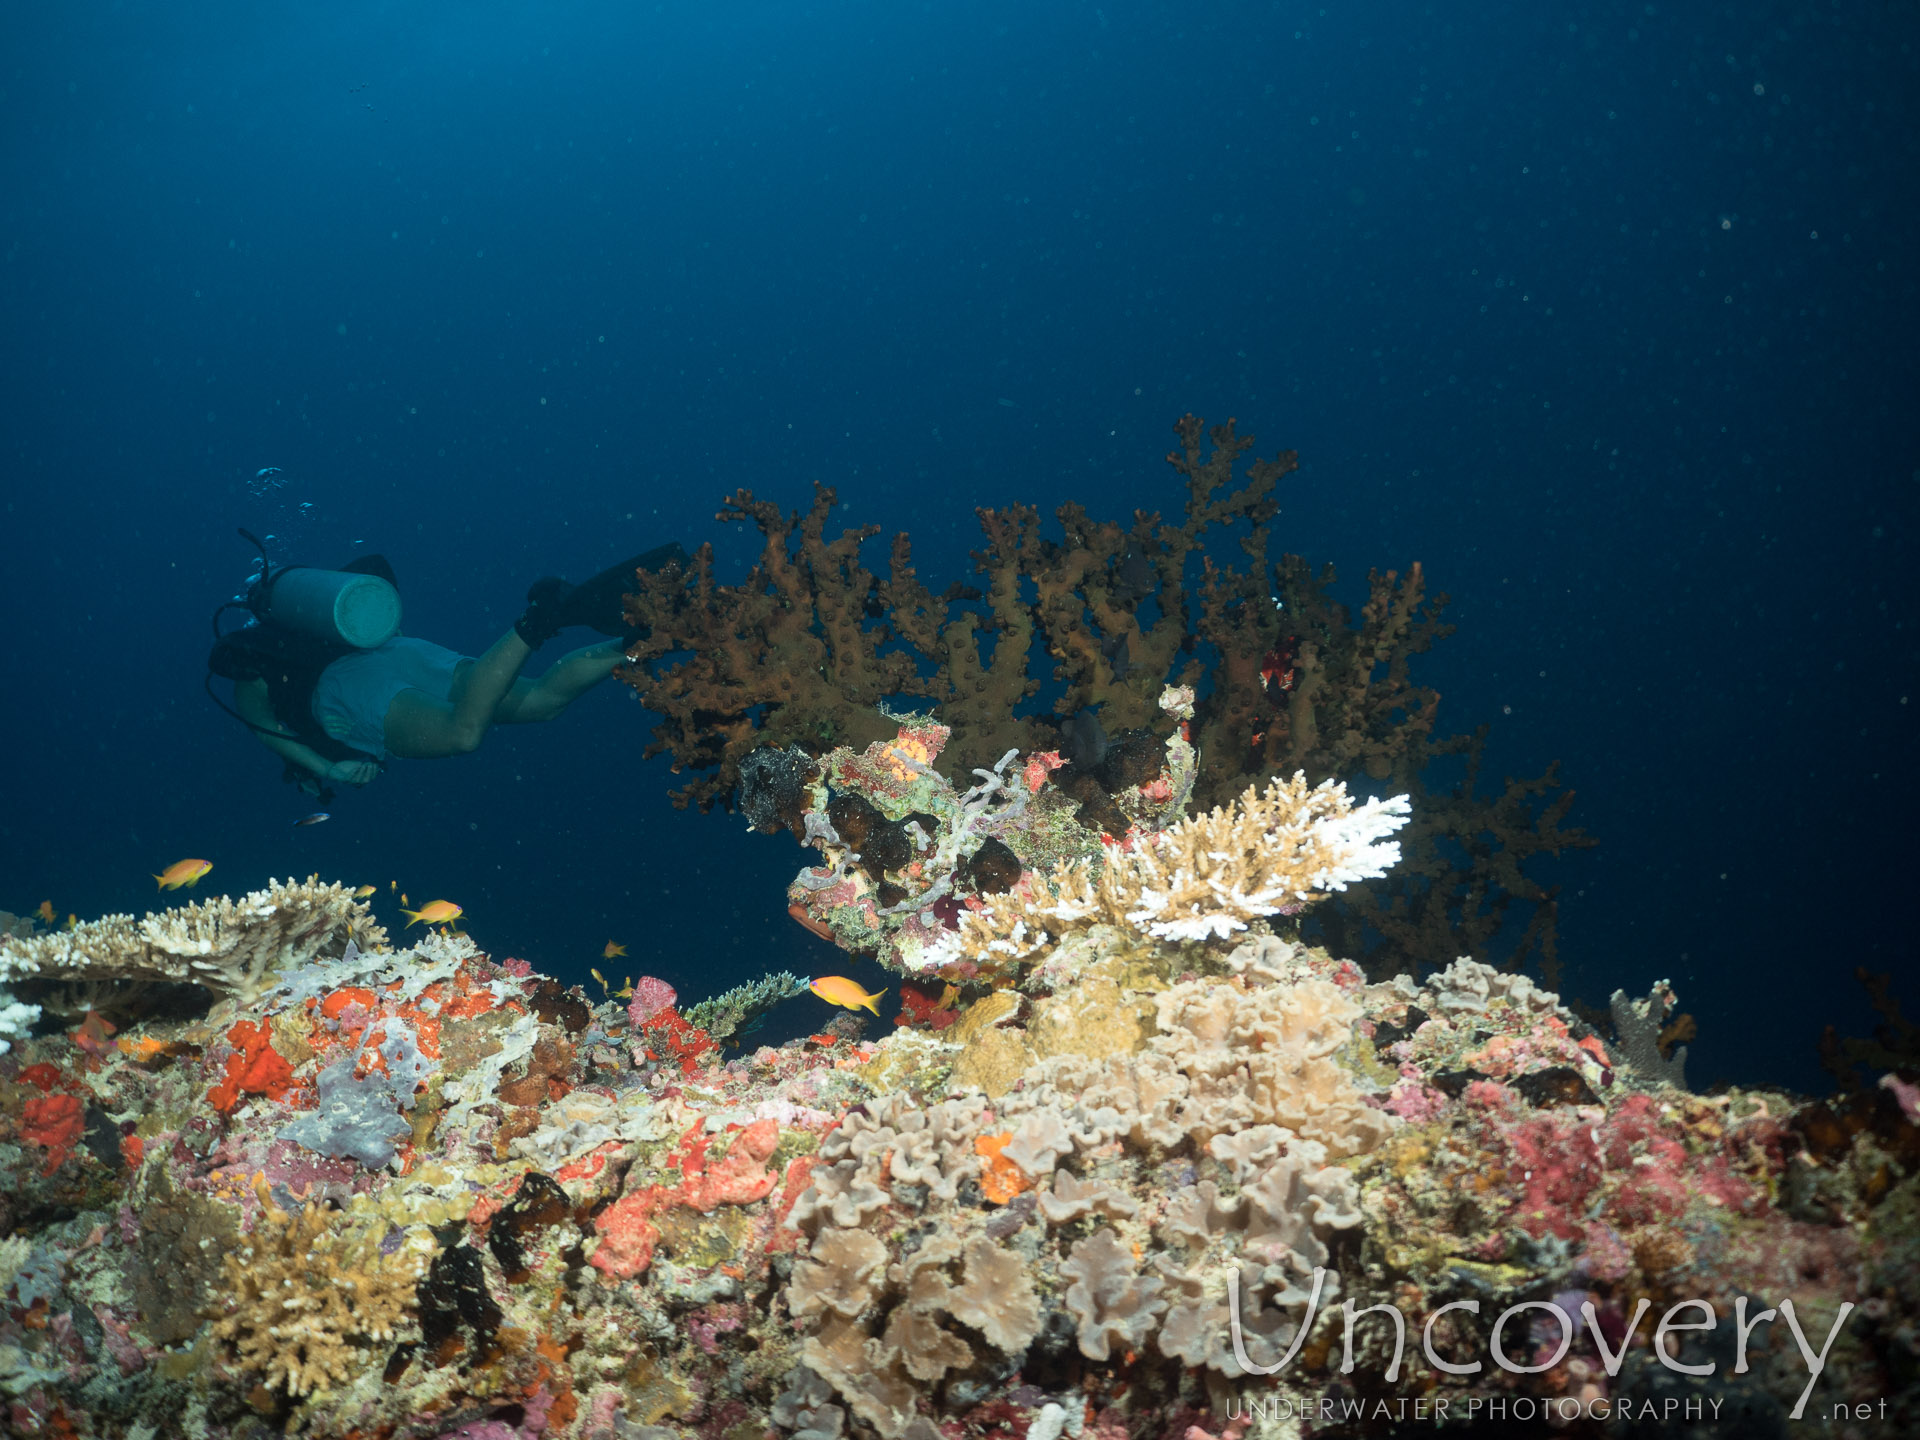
(1604,313)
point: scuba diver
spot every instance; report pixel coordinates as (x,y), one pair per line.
(323,677)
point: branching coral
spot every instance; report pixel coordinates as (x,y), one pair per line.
(739,1011)
(811,642)
(235,948)
(1202,878)
(306,1301)
(804,652)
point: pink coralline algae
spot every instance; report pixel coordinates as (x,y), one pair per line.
(1037,767)
(650,997)
(627,1231)
(1578,1173)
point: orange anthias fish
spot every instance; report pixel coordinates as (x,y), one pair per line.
(838,990)
(434,912)
(183,872)
(45,912)
(612,950)
(364,891)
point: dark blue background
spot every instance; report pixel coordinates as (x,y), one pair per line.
(1605,313)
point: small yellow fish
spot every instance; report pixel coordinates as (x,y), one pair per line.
(72,920)
(612,950)
(183,872)
(364,891)
(838,990)
(392,885)
(434,912)
(45,912)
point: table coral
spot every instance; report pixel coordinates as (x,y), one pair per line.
(1198,879)
(232,948)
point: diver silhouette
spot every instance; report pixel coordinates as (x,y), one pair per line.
(323,677)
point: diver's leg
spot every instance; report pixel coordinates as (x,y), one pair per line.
(419,727)
(570,678)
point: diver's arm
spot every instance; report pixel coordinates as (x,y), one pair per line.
(251,700)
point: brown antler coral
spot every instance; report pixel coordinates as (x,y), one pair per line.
(810,646)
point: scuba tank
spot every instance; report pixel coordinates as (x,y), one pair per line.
(354,607)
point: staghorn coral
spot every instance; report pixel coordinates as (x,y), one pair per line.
(234,948)
(1202,878)
(740,1011)
(305,1301)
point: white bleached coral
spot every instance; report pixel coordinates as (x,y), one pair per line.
(16,1020)
(1204,878)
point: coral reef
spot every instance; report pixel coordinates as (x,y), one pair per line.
(805,654)
(1135,1182)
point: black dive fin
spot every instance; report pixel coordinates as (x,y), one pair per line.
(596,603)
